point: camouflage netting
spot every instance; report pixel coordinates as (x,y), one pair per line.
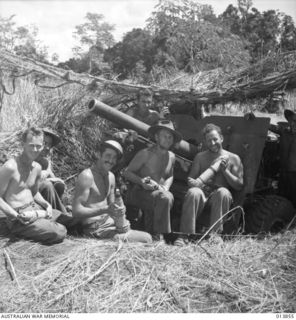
(215,86)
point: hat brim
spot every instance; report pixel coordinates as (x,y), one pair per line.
(153,130)
(288,114)
(55,138)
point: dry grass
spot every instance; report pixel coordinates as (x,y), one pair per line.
(85,275)
(21,108)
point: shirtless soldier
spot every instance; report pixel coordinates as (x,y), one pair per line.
(227,175)
(151,171)
(142,110)
(93,202)
(28,215)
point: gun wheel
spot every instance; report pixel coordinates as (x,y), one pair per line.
(269,213)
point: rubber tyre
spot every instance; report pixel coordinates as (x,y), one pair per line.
(269,213)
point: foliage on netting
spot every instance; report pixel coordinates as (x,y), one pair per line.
(223,79)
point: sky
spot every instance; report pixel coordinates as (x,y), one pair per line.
(56,19)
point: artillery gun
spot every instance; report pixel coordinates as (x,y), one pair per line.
(246,136)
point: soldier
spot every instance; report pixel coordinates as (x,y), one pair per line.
(94,199)
(51,187)
(151,172)
(214,173)
(142,110)
(29,215)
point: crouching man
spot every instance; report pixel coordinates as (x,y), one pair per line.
(94,199)
(214,173)
(151,171)
(29,215)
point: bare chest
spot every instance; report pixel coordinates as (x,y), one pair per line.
(100,188)
(26,179)
(157,166)
(21,186)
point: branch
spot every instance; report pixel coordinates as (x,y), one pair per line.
(4,88)
(221,218)
(12,270)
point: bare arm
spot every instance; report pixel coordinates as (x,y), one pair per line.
(194,173)
(6,173)
(40,200)
(234,174)
(169,180)
(167,184)
(82,192)
(134,166)
(195,168)
(111,195)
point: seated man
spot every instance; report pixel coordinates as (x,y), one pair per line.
(287,180)
(214,173)
(28,214)
(94,199)
(151,171)
(50,187)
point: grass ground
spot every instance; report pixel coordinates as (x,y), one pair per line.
(90,276)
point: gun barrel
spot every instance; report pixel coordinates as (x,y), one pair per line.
(103,110)
(183,148)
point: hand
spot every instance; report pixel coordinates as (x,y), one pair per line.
(224,163)
(27,217)
(115,211)
(149,184)
(132,136)
(44,174)
(194,183)
(49,211)
(55,179)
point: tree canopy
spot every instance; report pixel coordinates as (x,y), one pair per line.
(263,33)
(178,36)
(21,40)
(188,36)
(94,37)
(135,51)
(95,32)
